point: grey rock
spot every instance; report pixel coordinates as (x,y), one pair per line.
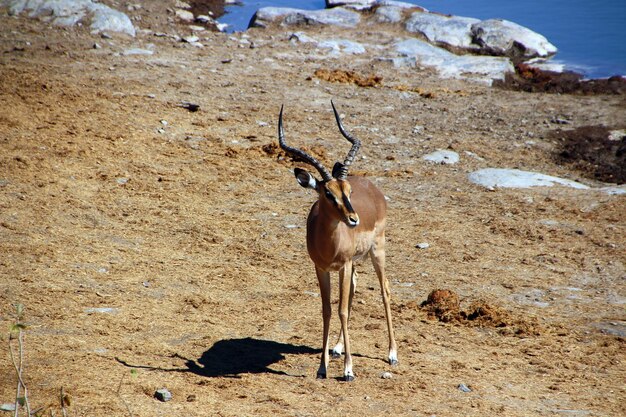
(386,375)
(448,65)
(163,394)
(502,37)
(337,16)
(423,245)
(453,30)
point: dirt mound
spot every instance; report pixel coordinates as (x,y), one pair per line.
(593,151)
(535,80)
(444,305)
(349,77)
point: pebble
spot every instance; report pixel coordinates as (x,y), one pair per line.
(103,310)
(163,395)
(386,375)
(422,245)
(464,388)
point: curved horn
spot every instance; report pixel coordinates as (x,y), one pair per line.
(356,144)
(299,153)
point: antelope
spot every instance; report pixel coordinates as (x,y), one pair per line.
(346,223)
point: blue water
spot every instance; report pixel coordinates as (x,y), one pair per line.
(589,33)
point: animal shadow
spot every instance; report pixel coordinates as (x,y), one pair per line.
(233,357)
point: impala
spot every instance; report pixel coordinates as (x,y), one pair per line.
(345,224)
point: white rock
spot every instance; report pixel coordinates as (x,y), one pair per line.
(337,16)
(137,51)
(70,12)
(368,4)
(614,190)
(444,157)
(515,178)
(185,15)
(503,37)
(339,46)
(191,39)
(448,65)
(353,4)
(453,30)
(302,37)
(389,14)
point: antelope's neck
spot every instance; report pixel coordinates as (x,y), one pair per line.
(330,243)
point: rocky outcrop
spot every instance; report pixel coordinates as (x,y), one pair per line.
(449,65)
(337,16)
(501,37)
(449,30)
(70,12)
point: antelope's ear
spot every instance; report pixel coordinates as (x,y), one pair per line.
(305,179)
(337,168)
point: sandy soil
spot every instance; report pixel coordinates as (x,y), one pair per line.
(190,229)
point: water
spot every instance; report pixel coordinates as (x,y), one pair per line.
(588,33)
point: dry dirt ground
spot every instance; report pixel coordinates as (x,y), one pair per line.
(157,247)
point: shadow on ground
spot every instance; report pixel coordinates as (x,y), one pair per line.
(233,357)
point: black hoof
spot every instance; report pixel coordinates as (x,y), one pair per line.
(348,378)
(393,362)
(321,376)
(335,355)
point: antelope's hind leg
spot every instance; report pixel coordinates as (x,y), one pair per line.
(378,259)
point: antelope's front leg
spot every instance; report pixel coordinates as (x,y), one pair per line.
(338,349)
(346,292)
(324,282)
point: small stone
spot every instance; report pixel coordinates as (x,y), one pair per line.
(422,245)
(122,181)
(191,398)
(97,46)
(163,395)
(164,122)
(464,388)
(386,375)
(105,35)
(262,124)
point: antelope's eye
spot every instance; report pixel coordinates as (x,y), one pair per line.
(329,195)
